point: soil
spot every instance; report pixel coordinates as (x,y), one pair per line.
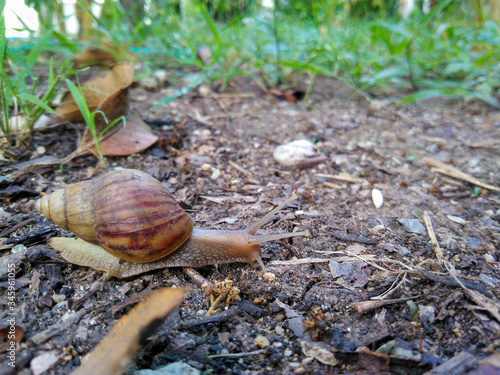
(215,154)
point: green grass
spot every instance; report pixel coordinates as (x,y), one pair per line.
(444,53)
(89,118)
(430,55)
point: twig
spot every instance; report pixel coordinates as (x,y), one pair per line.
(485,303)
(96,285)
(452,281)
(332,186)
(340,177)
(348,237)
(310,162)
(196,277)
(240,168)
(293,249)
(296,262)
(22,224)
(432,235)
(237,355)
(57,328)
(395,285)
(215,318)
(454,172)
(133,299)
(365,306)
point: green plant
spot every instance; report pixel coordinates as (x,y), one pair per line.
(21,103)
(90,118)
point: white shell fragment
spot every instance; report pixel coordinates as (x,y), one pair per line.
(378,198)
(457,219)
(288,153)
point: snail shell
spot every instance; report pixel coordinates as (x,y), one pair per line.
(124,212)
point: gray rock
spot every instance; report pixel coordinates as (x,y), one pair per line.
(176,368)
(412,226)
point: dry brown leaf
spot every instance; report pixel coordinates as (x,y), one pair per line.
(293,96)
(118,77)
(105,55)
(122,139)
(113,106)
(116,350)
(131,138)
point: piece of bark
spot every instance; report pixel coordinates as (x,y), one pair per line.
(457,365)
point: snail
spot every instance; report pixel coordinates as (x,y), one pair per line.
(128,223)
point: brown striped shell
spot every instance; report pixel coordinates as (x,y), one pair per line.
(127,212)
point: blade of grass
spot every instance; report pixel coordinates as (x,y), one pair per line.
(182,91)
(3,40)
(213,28)
(33,99)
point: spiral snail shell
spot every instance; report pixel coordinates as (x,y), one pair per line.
(140,226)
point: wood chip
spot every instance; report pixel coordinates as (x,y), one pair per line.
(459,364)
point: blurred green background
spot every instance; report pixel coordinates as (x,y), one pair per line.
(409,49)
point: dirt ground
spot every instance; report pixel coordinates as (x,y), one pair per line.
(320,314)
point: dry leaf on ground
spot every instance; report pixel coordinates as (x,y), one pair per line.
(123,138)
(118,77)
(116,350)
(105,55)
(131,138)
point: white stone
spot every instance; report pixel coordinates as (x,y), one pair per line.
(288,153)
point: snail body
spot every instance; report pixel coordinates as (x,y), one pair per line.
(128,223)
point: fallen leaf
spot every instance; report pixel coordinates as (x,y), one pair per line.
(123,138)
(116,350)
(293,96)
(105,55)
(131,138)
(118,77)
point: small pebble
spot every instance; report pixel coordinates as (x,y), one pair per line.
(456,219)
(205,90)
(58,298)
(412,226)
(378,198)
(215,174)
(175,368)
(18,248)
(279,330)
(161,76)
(149,83)
(262,342)
(269,276)
(489,258)
(40,150)
(474,241)
(287,154)
(428,312)
(224,338)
